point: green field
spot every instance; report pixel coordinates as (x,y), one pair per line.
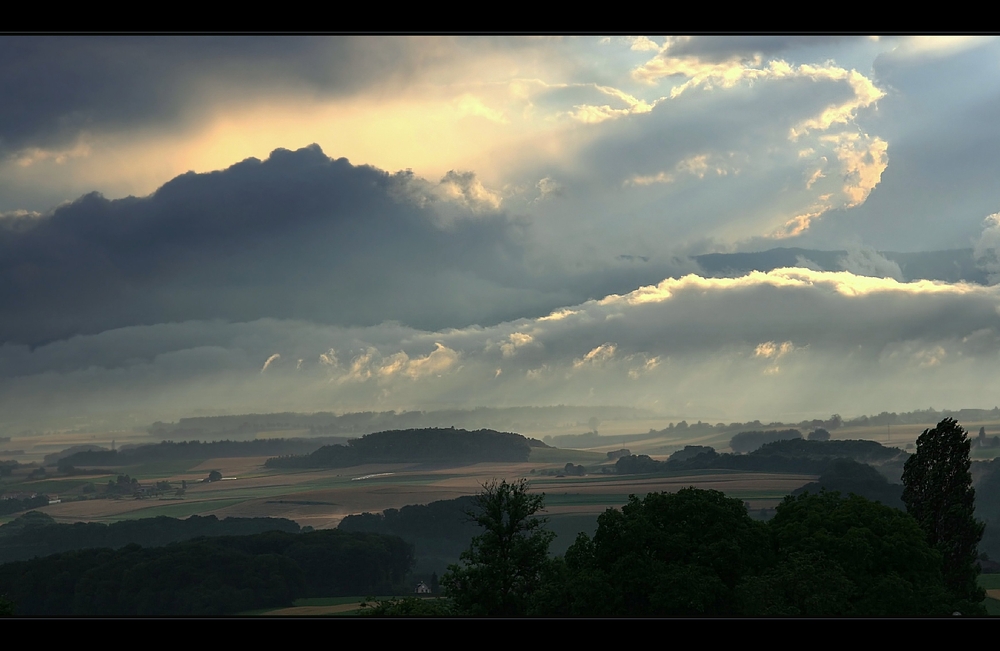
(989,581)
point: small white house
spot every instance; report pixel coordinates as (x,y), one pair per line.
(422,588)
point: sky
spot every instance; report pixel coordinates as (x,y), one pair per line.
(231,224)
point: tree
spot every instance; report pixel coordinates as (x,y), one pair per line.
(504,565)
(819,434)
(938,493)
(847,557)
(668,554)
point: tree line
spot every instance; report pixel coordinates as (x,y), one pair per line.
(36,534)
(185,450)
(206,576)
(787,455)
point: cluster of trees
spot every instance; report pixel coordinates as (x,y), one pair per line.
(819,434)
(417,445)
(36,534)
(9,505)
(748,441)
(689,452)
(847,476)
(123,485)
(207,576)
(698,553)
(439,531)
(790,455)
(987,442)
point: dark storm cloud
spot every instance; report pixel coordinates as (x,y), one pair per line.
(299,235)
(55,87)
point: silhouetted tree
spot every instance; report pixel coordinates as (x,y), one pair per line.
(503,566)
(938,493)
(668,554)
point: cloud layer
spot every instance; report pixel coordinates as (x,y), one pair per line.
(786,342)
(516,223)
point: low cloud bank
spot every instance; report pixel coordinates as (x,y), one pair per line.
(788,343)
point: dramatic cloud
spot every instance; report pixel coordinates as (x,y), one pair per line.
(787,341)
(68,86)
(296,236)
(503,229)
(938,122)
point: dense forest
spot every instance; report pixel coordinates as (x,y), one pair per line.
(442,446)
(207,576)
(36,534)
(697,553)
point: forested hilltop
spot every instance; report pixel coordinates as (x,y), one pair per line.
(432,445)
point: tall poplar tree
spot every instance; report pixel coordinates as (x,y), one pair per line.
(938,492)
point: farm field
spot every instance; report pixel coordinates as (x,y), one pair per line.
(322,498)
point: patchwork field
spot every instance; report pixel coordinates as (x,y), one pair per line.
(322,498)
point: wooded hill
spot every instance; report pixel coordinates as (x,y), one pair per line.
(793,455)
(432,445)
